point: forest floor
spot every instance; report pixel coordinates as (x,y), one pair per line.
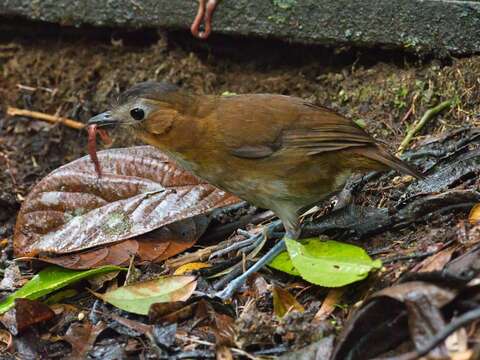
(77,74)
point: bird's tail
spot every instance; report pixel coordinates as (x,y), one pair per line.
(384,157)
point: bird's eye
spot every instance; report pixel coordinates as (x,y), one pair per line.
(137,114)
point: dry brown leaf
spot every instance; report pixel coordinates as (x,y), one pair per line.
(6,341)
(25,314)
(223,353)
(474,216)
(141,190)
(437,261)
(82,336)
(284,302)
(224,330)
(190,267)
(172,312)
(328,306)
(142,328)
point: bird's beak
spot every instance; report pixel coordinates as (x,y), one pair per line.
(102,120)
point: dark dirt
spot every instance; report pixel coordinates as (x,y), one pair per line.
(78,73)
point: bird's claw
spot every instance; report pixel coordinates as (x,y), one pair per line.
(244,246)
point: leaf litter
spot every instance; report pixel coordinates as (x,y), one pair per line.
(441,203)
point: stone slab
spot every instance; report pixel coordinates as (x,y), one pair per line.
(440,26)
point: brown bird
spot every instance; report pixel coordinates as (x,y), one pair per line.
(276,152)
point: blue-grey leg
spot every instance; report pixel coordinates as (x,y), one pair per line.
(236,283)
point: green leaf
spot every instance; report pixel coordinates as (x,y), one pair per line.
(50,279)
(326,263)
(283,263)
(138,297)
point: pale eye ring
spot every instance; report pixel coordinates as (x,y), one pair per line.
(137,114)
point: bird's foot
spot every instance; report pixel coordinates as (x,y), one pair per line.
(244,246)
(238,282)
(251,242)
(248,248)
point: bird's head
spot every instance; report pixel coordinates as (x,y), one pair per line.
(148,107)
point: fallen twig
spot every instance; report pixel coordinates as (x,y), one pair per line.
(430,113)
(12,111)
(408,257)
(411,110)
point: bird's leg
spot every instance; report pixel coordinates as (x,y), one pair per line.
(292,232)
(236,283)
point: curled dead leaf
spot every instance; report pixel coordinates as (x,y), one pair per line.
(407,307)
(141,190)
(6,341)
(82,336)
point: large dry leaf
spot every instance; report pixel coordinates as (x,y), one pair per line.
(72,209)
(155,246)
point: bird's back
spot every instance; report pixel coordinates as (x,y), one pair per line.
(262,125)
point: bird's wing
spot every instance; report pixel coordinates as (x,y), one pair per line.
(314,129)
(253,151)
(321,130)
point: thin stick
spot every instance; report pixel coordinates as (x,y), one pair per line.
(430,113)
(411,110)
(12,111)
(408,257)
